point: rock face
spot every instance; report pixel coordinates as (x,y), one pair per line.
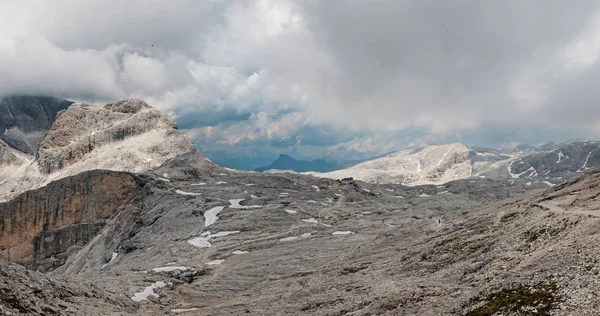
(562,161)
(437,164)
(40,227)
(148,137)
(24,292)
(434,164)
(25,120)
(124,136)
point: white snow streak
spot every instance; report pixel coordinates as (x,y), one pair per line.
(584,167)
(561,157)
(203,241)
(215,262)
(340,233)
(210,216)
(9,113)
(235,203)
(112,258)
(183,310)
(170,268)
(187,193)
(148,291)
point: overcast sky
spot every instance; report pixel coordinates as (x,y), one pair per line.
(336,78)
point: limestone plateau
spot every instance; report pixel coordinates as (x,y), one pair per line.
(171,233)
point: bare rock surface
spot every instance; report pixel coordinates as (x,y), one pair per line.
(25,292)
(286,244)
(124,136)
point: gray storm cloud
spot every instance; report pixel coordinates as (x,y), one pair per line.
(444,67)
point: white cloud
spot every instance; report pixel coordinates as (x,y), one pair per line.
(280,66)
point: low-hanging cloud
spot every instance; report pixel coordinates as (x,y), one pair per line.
(332,74)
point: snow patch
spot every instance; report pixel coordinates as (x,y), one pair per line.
(112,258)
(548,183)
(315,187)
(187,193)
(203,241)
(240,252)
(561,157)
(197,184)
(210,216)
(424,195)
(221,182)
(235,203)
(170,268)
(215,262)
(584,167)
(341,233)
(164,180)
(289,238)
(291,211)
(148,292)
(183,310)
(310,220)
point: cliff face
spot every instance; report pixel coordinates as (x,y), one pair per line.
(40,227)
(151,135)
(128,136)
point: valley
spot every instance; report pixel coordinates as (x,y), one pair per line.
(187,237)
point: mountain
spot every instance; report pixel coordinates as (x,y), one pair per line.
(122,136)
(187,236)
(285,162)
(434,164)
(437,164)
(25,120)
(550,164)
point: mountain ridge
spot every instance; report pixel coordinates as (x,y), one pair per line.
(286,162)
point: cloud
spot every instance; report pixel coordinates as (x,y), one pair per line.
(317,75)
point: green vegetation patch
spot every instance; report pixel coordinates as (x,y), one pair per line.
(538,301)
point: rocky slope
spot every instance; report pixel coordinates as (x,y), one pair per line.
(205,242)
(434,164)
(188,237)
(564,161)
(548,164)
(123,136)
(24,292)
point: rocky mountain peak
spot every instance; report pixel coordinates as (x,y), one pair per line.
(128,135)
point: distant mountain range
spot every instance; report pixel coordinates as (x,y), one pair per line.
(437,164)
(285,162)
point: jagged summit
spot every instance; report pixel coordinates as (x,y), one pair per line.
(128,135)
